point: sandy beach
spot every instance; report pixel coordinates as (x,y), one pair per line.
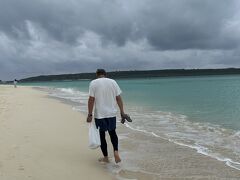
(44,139)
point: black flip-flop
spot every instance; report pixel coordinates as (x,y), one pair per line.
(125,117)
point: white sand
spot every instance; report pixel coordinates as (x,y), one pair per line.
(42,139)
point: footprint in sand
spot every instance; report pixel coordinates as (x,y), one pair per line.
(21,168)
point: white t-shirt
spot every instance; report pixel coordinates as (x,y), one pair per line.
(104,90)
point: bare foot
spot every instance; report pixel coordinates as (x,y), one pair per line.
(117,157)
(104,159)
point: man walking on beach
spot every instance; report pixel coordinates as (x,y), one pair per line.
(104,94)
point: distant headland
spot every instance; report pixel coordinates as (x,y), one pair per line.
(136,74)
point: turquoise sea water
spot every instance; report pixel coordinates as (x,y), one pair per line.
(214,99)
(199,112)
(202,99)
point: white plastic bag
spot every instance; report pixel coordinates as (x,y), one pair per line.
(94,137)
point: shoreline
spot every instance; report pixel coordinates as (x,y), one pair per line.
(169,160)
(162,160)
(195,150)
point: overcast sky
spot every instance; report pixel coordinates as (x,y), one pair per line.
(71,36)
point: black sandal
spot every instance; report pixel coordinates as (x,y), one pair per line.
(125,117)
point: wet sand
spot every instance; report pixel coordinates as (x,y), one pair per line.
(149,157)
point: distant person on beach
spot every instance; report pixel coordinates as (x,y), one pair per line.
(15,83)
(104,94)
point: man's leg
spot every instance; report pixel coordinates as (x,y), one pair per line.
(114,140)
(104,147)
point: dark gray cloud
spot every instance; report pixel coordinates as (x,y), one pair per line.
(68,36)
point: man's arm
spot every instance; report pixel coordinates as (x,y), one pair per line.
(91,101)
(120,104)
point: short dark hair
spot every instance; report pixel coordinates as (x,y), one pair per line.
(101,72)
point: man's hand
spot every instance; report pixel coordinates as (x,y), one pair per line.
(125,117)
(89,118)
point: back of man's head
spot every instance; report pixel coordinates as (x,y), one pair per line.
(101,72)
